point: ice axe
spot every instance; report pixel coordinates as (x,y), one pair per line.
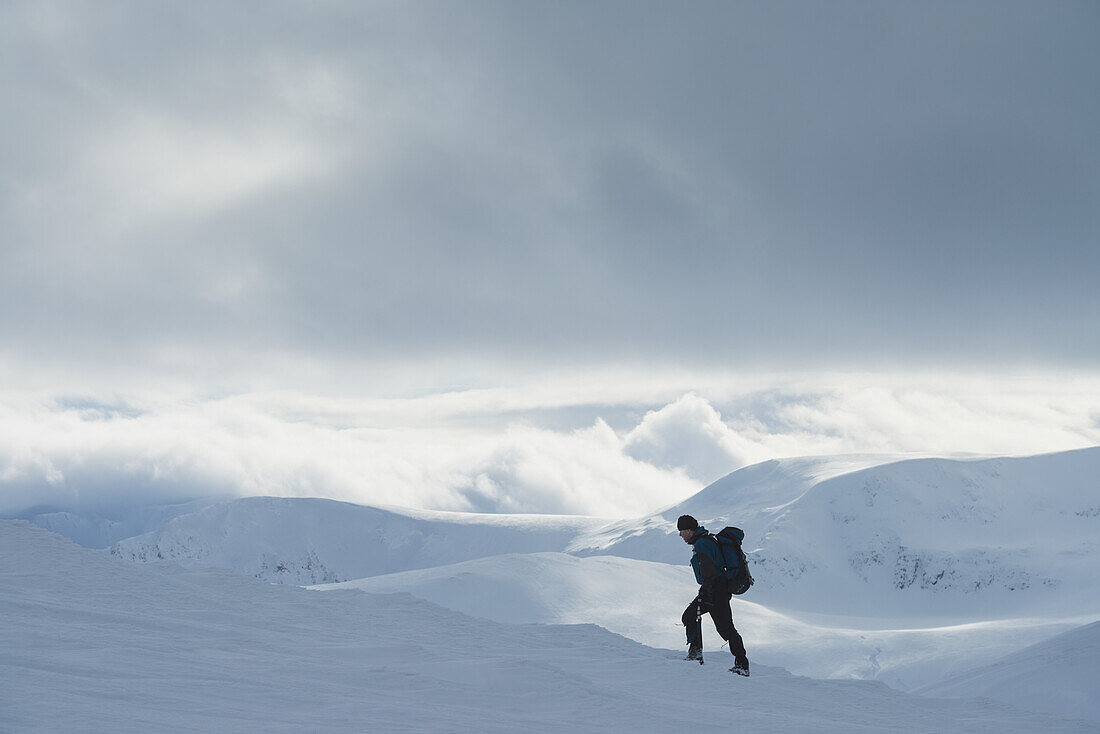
(698,630)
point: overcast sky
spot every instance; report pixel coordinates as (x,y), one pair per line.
(740,184)
(396,199)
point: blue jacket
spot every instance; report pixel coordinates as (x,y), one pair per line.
(706,558)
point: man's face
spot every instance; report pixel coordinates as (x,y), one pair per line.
(686,535)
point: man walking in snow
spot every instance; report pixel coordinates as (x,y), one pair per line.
(714,595)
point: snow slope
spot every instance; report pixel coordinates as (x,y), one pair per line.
(311,541)
(643,600)
(756,490)
(638,599)
(1060,674)
(91,643)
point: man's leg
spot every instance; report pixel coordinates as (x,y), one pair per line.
(694,631)
(722,615)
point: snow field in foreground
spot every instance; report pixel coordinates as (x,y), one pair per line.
(95,644)
(643,600)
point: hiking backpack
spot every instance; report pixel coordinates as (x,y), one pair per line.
(738,571)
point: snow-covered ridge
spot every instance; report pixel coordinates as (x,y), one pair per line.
(922,535)
(94,530)
(314,541)
(949,537)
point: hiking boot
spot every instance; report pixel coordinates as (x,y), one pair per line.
(740,666)
(695,653)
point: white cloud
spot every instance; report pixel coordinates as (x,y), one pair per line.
(689,434)
(72,454)
(931,414)
(472,450)
(531,470)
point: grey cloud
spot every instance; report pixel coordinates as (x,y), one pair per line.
(781,182)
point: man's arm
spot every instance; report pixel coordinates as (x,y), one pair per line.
(708,569)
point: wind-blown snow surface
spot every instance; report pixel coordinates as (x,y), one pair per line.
(91,643)
(1056,675)
(638,599)
(643,600)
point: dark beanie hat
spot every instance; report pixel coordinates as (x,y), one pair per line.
(687,522)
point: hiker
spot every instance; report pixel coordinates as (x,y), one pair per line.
(714,595)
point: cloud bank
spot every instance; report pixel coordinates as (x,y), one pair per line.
(550,449)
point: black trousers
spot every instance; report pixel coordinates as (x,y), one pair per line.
(722,615)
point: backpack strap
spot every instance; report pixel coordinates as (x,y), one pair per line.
(717,542)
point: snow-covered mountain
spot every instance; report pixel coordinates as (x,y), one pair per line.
(918,537)
(1060,674)
(313,541)
(871,567)
(91,643)
(954,540)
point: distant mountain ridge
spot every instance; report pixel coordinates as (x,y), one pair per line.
(919,534)
(824,534)
(314,541)
(97,529)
